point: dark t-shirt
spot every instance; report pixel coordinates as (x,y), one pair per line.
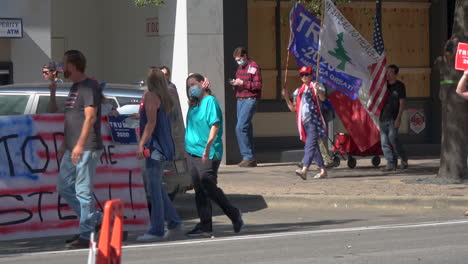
(83,94)
(396,92)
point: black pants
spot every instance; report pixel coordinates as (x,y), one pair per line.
(205,180)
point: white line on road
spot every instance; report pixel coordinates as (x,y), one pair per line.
(273,235)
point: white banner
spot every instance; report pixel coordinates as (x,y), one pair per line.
(29,203)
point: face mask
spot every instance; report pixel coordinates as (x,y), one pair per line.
(195,91)
(241,62)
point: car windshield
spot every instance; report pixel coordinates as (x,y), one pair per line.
(13,104)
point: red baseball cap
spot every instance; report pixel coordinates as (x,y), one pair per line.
(305,69)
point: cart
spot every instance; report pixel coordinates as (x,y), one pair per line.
(345,147)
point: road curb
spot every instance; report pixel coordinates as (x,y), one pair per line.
(348,201)
(344,201)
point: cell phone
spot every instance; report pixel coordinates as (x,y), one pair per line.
(231,80)
(146,153)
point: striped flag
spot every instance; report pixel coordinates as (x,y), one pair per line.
(378,88)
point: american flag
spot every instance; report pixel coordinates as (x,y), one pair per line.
(378,89)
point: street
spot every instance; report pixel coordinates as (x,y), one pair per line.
(282,235)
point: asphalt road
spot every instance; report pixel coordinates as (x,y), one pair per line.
(290,236)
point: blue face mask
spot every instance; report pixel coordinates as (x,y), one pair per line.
(195,91)
(241,62)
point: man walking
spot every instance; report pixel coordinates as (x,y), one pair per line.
(390,120)
(81,149)
(248,87)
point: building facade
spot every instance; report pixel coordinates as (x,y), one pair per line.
(121,41)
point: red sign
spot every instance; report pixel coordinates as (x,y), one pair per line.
(461,59)
(152,27)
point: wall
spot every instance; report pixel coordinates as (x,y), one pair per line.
(112,37)
(33,50)
(128,50)
(78,25)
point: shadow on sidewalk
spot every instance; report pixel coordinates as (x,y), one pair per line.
(185,205)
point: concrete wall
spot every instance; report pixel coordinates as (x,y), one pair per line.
(33,50)
(78,24)
(111,34)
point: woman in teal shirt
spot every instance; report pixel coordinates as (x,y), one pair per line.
(204,146)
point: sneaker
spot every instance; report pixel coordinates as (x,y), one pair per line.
(301,174)
(150,238)
(78,243)
(389,168)
(175,232)
(404,164)
(238,224)
(248,163)
(197,231)
(321,175)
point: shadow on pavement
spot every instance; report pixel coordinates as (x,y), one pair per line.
(185,205)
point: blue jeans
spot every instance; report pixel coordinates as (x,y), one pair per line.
(244,128)
(161,206)
(389,140)
(311,148)
(75,185)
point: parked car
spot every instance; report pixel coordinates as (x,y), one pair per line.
(23,99)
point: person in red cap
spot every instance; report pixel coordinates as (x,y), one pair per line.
(310,122)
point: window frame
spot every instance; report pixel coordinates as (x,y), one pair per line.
(29,103)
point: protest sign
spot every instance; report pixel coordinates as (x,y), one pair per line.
(123,129)
(461,59)
(29,203)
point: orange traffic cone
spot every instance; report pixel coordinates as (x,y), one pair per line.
(110,243)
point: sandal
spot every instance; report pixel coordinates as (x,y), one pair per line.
(321,176)
(301,174)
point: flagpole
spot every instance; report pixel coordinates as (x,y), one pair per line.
(287,62)
(318,53)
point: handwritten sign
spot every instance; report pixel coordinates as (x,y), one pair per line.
(11,28)
(461,58)
(29,203)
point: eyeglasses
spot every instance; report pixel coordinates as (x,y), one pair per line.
(304,74)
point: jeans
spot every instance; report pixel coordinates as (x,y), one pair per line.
(205,180)
(311,148)
(75,185)
(389,140)
(244,129)
(161,206)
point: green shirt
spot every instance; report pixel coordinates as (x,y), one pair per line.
(200,119)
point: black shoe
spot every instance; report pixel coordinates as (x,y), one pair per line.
(248,163)
(197,231)
(389,168)
(77,244)
(238,224)
(404,165)
(73,238)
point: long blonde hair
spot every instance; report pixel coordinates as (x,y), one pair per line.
(158,85)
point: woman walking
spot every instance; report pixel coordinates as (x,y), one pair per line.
(157,146)
(204,146)
(310,122)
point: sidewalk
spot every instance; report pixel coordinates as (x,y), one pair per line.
(363,186)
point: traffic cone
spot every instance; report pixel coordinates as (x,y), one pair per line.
(110,243)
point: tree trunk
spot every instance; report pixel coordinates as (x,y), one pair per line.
(454,143)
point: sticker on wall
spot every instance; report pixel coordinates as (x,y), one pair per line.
(417,120)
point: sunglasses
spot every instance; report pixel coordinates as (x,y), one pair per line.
(45,72)
(304,74)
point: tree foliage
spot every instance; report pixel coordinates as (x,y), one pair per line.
(143,3)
